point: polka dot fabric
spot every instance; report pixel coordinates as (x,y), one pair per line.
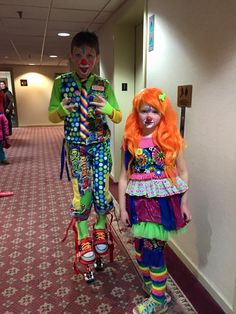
(102,167)
(92,162)
(97,126)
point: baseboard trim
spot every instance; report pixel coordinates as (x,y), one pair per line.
(201,278)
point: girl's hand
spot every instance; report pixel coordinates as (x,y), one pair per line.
(125,218)
(186,214)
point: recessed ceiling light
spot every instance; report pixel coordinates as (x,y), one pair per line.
(53,56)
(63,34)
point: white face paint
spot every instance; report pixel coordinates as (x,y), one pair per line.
(84,59)
(149,118)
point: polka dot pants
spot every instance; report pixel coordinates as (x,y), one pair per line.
(91,166)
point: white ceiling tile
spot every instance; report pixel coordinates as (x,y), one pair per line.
(29,3)
(24,27)
(29,12)
(80,4)
(37,30)
(114,5)
(72,15)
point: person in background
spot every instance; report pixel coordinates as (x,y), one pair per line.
(84,101)
(9,106)
(2,101)
(4,133)
(153,189)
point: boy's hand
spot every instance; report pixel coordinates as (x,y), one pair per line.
(102,106)
(68,104)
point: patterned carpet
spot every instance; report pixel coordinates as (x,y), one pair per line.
(36,267)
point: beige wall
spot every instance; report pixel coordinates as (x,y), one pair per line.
(32,100)
(117,41)
(195,44)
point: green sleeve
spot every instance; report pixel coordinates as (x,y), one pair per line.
(110,96)
(116,115)
(56,110)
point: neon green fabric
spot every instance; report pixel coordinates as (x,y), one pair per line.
(151,230)
(86,200)
(107,109)
(82,228)
(101,222)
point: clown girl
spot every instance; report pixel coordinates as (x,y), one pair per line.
(153,189)
(83,100)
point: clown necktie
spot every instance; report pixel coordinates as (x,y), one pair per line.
(84,132)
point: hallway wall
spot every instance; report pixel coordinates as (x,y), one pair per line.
(117,41)
(194,43)
(32,101)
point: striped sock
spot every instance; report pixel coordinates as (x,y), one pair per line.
(145,273)
(159,277)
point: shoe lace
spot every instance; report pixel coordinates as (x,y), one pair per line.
(85,246)
(100,235)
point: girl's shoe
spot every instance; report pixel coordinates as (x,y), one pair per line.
(147,289)
(100,240)
(86,252)
(148,306)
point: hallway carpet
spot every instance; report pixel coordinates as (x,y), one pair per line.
(36,268)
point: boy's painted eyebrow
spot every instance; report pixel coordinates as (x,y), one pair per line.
(83,49)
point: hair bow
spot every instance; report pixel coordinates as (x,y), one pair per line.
(162,97)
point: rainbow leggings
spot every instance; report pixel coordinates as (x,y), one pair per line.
(150,258)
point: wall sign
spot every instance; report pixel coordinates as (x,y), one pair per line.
(184,100)
(23,83)
(184,96)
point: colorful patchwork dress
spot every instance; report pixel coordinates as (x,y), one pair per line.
(153,200)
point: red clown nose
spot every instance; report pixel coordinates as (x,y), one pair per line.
(149,119)
(84,62)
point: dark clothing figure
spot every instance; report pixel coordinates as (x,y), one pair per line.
(9,105)
(3,136)
(2,101)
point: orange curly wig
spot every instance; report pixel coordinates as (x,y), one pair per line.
(166,134)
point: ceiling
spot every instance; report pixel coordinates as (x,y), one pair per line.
(29,28)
